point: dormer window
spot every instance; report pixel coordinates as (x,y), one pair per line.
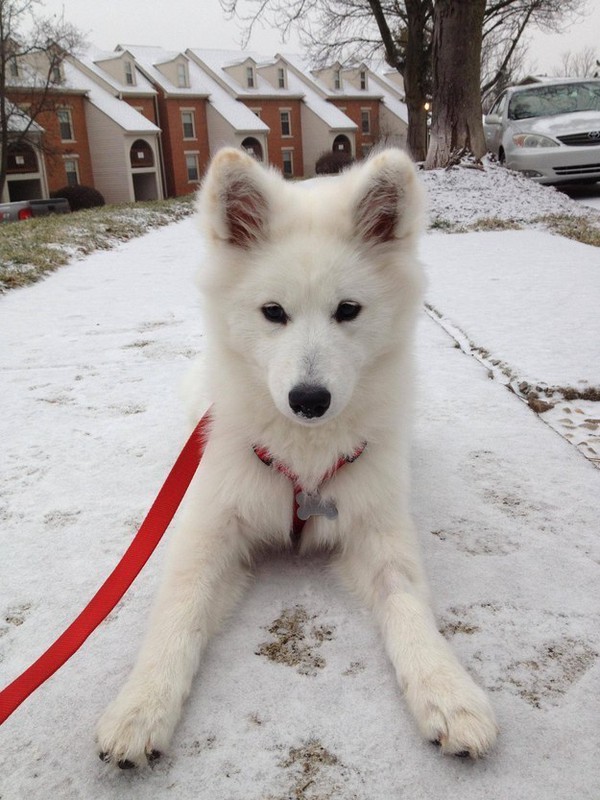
(363,79)
(250,77)
(129,74)
(182,76)
(14,68)
(281,78)
(337,79)
(56,74)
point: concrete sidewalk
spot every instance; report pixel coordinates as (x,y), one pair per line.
(90,421)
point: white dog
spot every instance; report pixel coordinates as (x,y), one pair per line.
(311,294)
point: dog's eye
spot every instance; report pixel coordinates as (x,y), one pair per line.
(347,310)
(274,313)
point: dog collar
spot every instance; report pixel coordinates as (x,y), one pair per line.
(307,504)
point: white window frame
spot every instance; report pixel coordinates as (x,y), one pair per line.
(337,79)
(365,116)
(289,153)
(129,73)
(250,78)
(188,156)
(281,80)
(192,114)
(182,75)
(362,77)
(68,121)
(287,112)
(74,160)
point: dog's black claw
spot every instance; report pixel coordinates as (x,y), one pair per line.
(126,764)
(154,755)
(436,742)
(463,754)
(104,757)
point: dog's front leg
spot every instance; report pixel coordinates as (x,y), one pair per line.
(450,709)
(204,577)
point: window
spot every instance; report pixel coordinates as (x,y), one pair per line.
(129,76)
(363,79)
(250,77)
(56,74)
(182,78)
(287,158)
(188,123)
(337,79)
(65,124)
(72,172)
(286,123)
(365,120)
(281,78)
(14,68)
(191,164)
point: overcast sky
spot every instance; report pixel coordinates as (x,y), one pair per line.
(178,24)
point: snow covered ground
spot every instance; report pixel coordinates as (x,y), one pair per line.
(91,360)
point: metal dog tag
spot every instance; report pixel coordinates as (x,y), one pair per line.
(311,504)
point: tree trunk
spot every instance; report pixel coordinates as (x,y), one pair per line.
(416,71)
(456,101)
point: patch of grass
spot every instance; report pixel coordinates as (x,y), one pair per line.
(582,229)
(31,249)
(495,224)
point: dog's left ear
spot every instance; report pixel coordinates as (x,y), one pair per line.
(390,199)
(233,203)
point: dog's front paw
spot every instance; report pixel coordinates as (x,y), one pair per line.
(135,729)
(453,712)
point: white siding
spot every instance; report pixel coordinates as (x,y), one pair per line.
(110,162)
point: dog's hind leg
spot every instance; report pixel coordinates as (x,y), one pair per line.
(205,576)
(450,709)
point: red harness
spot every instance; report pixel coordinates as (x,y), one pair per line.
(297,521)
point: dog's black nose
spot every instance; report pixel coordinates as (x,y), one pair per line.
(309,401)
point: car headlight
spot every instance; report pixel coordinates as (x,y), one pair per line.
(533,140)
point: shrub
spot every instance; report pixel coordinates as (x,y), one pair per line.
(80,196)
(333,162)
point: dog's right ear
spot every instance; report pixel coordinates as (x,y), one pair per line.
(233,202)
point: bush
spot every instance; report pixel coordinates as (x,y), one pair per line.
(333,162)
(80,196)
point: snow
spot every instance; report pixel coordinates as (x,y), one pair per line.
(91,361)
(468,195)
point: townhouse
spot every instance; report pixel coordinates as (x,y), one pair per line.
(141,123)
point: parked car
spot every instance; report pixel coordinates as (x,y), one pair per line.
(548,131)
(26,209)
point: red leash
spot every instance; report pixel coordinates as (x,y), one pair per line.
(112,590)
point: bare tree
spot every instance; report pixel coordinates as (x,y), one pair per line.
(32,49)
(579,64)
(403,31)
(456,122)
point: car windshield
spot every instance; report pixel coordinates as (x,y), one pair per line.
(546,101)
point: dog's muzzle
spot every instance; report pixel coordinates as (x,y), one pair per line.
(309,401)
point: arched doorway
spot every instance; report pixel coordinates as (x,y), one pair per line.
(23,179)
(253,147)
(341,144)
(141,158)
(141,154)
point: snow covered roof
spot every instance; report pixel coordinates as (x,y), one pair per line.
(93,60)
(390,97)
(218,61)
(116,109)
(150,58)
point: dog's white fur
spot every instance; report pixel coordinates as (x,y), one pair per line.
(307,248)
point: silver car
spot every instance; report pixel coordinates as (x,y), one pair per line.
(548,131)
